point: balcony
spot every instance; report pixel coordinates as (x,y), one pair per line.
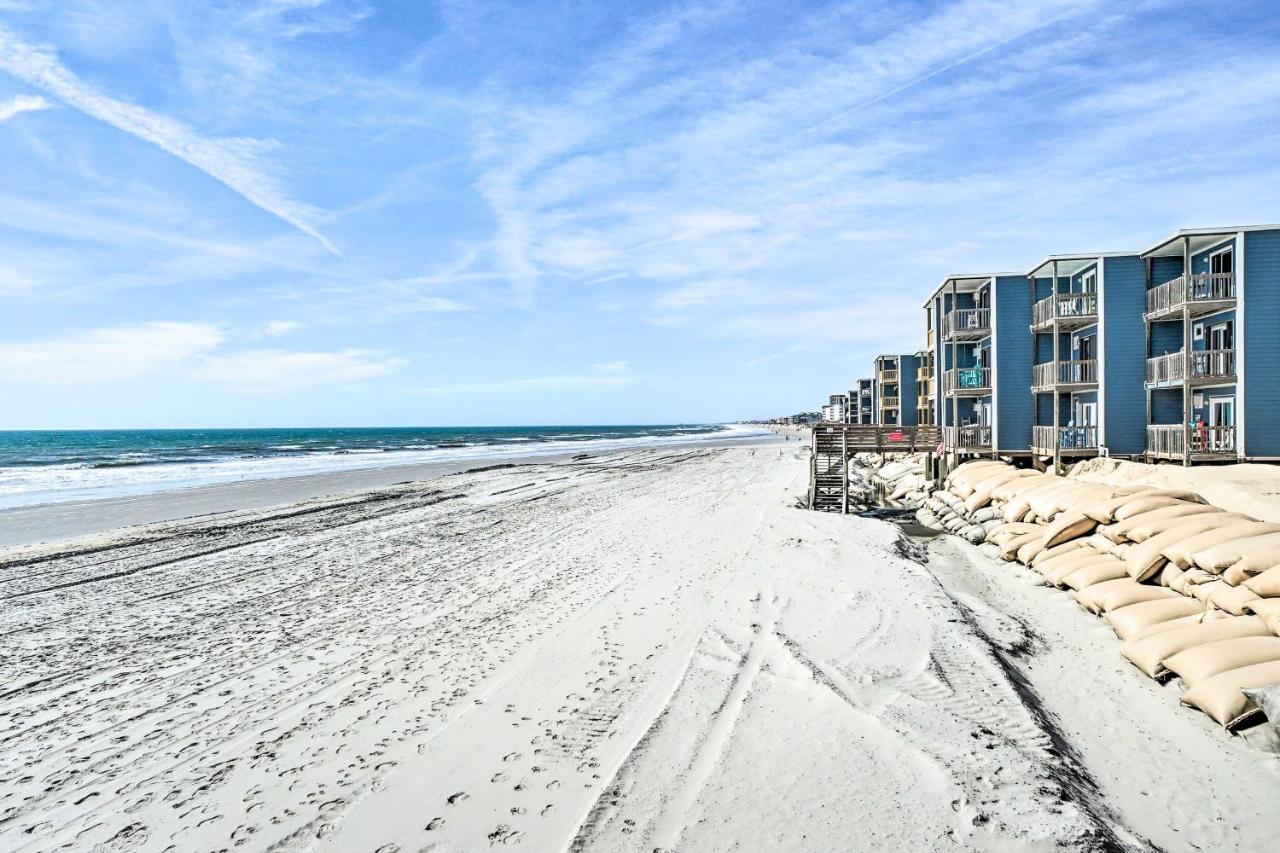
(1046,440)
(888,402)
(1209,443)
(1198,367)
(1198,293)
(966,324)
(888,376)
(968,381)
(1052,374)
(1068,310)
(969,437)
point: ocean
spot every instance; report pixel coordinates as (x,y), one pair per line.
(39,467)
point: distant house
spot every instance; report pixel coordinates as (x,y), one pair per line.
(1212,352)
(1087,364)
(863,402)
(981,354)
(896,400)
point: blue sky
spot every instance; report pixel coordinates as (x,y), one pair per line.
(315,212)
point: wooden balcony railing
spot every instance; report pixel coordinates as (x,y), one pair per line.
(966,323)
(888,402)
(1065,306)
(1205,288)
(969,437)
(1201,364)
(968,379)
(1044,439)
(1050,373)
(888,376)
(1169,441)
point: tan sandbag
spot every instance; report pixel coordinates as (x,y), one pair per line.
(1145,504)
(1066,526)
(1028,552)
(1118,530)
(1049,503)
(1046,566)
(1202,591)
(1088,496)
(1189,579)
(1146,559)
(1267,584)
(1253,563)
(1088,597)
(1263,606)
(1172,624)
(1058,576)
(1135,593)
(1196,664)
(1219,557)
(1103,511)
(1159,521)
(1057,551)
(1168,574)
(1016,486)
(1093,573)
(1100,542)
(1020,505)
(1011,545)
(1003,531)
(1219,696)
(1180,552)
(1129,620)
(1232,598)
(1149,652)
(1061,568)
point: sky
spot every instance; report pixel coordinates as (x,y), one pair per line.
(366,213)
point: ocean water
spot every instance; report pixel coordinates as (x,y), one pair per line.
(54,466)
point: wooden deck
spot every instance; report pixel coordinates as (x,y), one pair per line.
(834,444)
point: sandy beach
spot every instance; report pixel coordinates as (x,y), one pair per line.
(649,650)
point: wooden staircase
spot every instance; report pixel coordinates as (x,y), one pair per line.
(834,444)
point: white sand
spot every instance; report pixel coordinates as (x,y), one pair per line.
(651,650)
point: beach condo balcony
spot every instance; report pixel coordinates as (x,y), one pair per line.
(979,363)
(863,402)
(1211,310)
(897,390)
(1087,364)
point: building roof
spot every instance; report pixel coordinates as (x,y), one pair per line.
(967,283)
(1073,263)
(1200,238)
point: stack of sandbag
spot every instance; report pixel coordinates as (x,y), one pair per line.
(1194,591)
(899,478)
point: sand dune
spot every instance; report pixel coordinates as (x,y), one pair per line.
(651,650)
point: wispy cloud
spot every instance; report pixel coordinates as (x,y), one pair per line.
(533,384)
(280,327)
(765,359)
(283,371)
(22,104)
(119,352)
(236,163)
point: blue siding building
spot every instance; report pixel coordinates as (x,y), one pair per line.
(862,402)
(1212,303)
(981,363)
(1087,364)
(895,379)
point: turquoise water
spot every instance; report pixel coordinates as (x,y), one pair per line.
(51,466)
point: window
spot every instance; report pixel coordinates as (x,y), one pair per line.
(1089,282)
(1222,336)
(1222,261)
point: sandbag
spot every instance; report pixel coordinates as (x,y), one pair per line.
(1103,511)
(1189,579)
(1149,652)
(1232,598)
(1267,584)
(1202,591)
(1196,664)
(1059,575)
(1135,593)
(1004,531)
(1068,564)
(1172,624)
(1129,620)
(1100,542)
(1118,530)
(1180,552)
(1168,574)
(1219,696)
(1263,606)
(1094,573)
(1057,551)
(1219,557)
(1144,504)
(1158,521)
(1088,597)
(1046,566)
(1014,487)
(1028,552)
(1020,505)
(1047,504)
(1268,699)
(1011,545)
(1253,563)
(1146,559)
(1068,525)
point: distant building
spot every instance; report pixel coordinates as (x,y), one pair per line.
(863,402)
(896,402)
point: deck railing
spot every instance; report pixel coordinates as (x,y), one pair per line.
(888,376)
(969,437)
(1200,364)
(1064,306)
(1077,372)
(888,402)
(966,322)
(1044,439)
(1204,287)
(1169,441)
(968,379)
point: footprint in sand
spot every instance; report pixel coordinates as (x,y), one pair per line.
(434,824)
(511,756)
(454,799)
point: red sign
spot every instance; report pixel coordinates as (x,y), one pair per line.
(895,436)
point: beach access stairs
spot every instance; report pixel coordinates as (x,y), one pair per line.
(833,445)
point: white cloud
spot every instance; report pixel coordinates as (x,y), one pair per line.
(120,352)
(280,327)
(282,371)
(235,162)
(610,366)
(538,383)
(22,104)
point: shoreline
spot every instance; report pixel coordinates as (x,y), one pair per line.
(55,521)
